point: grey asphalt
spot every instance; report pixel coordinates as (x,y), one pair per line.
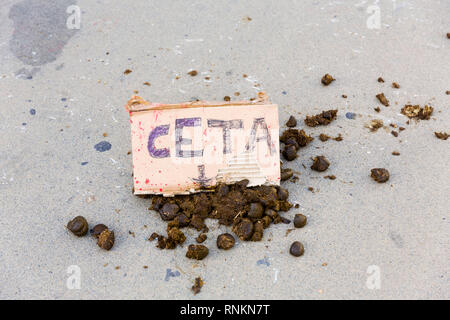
(61,89)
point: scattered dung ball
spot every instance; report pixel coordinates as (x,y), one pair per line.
(297,249)
(98,229)
(320,163)
(225,241)
(380,175)
(78,226)
(300,220)
(106,239)
(197,251)
(327,79)
(292,122)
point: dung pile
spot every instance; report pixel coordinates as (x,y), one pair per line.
(247,210)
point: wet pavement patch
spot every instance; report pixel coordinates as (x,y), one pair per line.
(350,115)
(40,31)
(264,262)
(103,146)
(171,274)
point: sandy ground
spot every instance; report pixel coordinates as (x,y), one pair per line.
(61,89)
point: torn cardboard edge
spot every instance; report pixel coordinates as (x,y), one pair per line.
(166,162)
(137,104)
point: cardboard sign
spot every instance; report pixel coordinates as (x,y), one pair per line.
(190,147)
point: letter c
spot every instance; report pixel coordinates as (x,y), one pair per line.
(156,133)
